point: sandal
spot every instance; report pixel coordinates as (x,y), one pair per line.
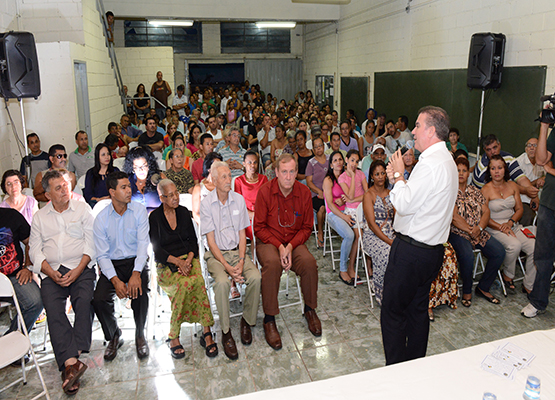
(173,349)
(492,299)
(510,284)
(347,282)
(72,373)
(211,349)
(466,302)
(320,243)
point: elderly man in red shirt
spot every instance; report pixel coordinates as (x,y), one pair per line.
(282,224)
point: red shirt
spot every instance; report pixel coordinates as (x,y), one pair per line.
(283,220)
(249,190)
(196,169)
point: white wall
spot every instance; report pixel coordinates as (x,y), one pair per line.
(433,35)
(140,65)
(223,10)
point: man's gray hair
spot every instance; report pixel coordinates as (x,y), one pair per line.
(216,165)
(52,174)
(163,184)
(439,119)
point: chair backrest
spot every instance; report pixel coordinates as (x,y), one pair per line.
(186,200)
(6,288)
(233,183)
(81,182)
(101,205)
(161,164)
(118,162)
(360,213)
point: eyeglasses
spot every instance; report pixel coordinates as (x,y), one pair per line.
(531,145)
(295,215)
(143,167)
(171,195)
(60,156)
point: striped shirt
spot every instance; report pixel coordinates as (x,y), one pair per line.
(479,174)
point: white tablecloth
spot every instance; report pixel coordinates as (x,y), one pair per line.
(453,375)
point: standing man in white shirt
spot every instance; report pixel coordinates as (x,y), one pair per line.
(62,250)
(424,209)
(180,101)
(223,102)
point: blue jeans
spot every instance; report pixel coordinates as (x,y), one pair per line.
(346,232)
(544,256)
(30,302)
(493,251)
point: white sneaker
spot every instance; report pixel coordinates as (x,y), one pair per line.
(530,311)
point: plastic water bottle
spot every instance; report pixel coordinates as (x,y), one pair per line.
(489,396)
(532,390)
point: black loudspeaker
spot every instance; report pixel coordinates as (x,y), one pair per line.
(19,67)
(485,61)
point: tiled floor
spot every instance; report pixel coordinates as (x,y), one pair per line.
(351,342)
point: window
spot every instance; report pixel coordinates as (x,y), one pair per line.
(182,39)
(239,37)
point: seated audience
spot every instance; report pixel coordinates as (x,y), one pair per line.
(206,147)
(302,155)
(378,236)
(223,219)
(282,224)
(175,247)
(95,180)
(152,138)
(14,264)
(179,143)
(194,142)
(37,160)
(82,159)
(141,166)
(266,136)
(233,153)
(348,139)
(409,161)
(205,186)
(369,137)
(468,232)
(534,173)
(171,144)
(354,185)
(248,184)
(276,149)
(335,144)
(129,132)
(377,153)
(58,159)
(62,251)
(491,147)
(291,146)
(503,199)
(453,142)
(12,185)
(121,241)
(142,103)
(316,171)
(181,177)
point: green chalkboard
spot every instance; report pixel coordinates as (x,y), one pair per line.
(509,111)
(354,95)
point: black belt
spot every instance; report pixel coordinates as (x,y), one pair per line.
(416,243)
(236,248)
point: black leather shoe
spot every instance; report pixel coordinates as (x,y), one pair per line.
(142,347)
(113,345)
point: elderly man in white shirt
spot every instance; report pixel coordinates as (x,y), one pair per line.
(62,250)
(536,175)
(424,209)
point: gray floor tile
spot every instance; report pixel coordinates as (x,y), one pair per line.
(328,361)
(172,386)
(278,371)
(224,381)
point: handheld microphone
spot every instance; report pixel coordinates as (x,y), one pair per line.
(407,146)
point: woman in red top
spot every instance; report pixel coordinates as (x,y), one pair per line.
(248,184)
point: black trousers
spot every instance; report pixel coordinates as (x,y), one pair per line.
(404,316)
(103,300)
(67,341)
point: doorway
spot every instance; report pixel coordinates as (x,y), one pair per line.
(82,95)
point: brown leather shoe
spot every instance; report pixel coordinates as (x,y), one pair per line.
(230,349)
(272,335)
(246,334)
(113,345)
(314,325)
(142,347)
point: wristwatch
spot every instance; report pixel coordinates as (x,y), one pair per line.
(396,175)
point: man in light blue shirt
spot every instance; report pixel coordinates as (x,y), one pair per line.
(121,240)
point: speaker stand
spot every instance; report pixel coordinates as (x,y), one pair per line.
(480,125)
(28,164)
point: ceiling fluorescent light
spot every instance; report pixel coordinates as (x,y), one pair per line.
(276,24)
(170,22)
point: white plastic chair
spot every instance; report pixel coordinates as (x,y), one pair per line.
(328,237)
(118,162)
(480,261)
(81,182)
(186,200)
(15,345)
